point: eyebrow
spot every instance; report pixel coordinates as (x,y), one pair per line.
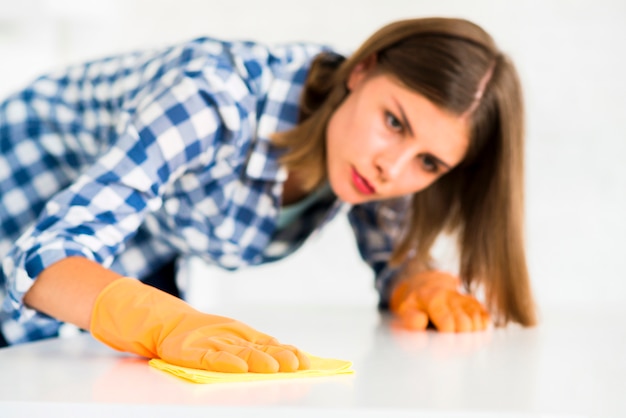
(406,123)
(448,168)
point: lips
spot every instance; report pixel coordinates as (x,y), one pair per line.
(361,184)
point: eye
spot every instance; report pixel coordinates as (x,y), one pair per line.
(393,122)
(429,164)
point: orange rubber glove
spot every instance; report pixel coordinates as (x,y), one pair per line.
(433,296)
(131,316)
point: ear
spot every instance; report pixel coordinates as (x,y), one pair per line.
(360,72)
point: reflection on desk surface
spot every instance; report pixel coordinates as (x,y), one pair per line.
(569,365)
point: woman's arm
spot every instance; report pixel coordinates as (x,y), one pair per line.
(131,316)
(415,295)
(96,216)
(68,289)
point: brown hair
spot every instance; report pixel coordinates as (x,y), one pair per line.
(456,65)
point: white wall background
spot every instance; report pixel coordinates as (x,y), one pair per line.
(572,59)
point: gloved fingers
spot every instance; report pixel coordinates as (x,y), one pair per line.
(304,362)
(480,317)
(476,311)
(484,314)
(288,356)
(257,360)
(443,319)
(409,304)
(222,361)
(486,319)
(467,312)
(287,360)
(462,308)
(462,321)
(440,312)
(412,319)
(399,297)
(407,311)
(477,321)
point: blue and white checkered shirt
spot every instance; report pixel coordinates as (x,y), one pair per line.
(135,159)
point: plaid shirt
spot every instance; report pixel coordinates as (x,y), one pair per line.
(135,159)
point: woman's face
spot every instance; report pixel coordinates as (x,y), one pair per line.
(386,141)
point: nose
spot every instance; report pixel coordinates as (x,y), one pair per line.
(393,160)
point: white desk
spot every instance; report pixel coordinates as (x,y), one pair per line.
(571,365)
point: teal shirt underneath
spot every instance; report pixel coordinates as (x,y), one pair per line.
(288,214)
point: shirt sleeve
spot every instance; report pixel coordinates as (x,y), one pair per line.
(172,128)
(377,227)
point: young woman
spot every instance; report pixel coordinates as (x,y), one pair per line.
(236,152)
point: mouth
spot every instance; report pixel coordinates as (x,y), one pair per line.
(361,184)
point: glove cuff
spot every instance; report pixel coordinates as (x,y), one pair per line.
(124,316)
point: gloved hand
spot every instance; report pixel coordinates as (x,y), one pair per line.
(131,316)
(433,295)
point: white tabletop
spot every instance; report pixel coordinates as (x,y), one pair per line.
(573,364)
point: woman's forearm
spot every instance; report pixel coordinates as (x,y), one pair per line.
(68,289)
